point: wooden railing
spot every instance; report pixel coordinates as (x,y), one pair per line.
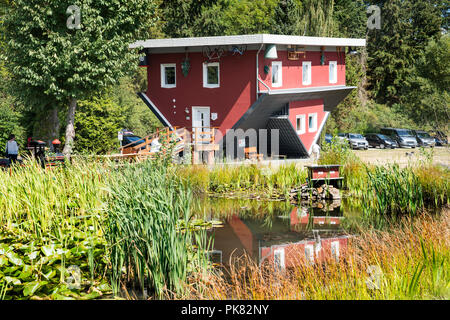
(202,135)
(199,133)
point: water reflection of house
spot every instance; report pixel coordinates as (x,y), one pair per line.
(304,219)
(284,240)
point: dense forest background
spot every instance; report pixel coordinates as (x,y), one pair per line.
(403,74)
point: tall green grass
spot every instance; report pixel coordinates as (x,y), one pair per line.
(266,181)
(100,217)
(49,221)
(151,244)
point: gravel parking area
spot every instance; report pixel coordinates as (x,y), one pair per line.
(403,156)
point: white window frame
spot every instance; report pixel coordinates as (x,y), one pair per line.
(163,75)
(309,253)
(303,123)
(205,74)
(279,259)
(280,74)
(308,80)
(312,128)
(335,250)
(332,73)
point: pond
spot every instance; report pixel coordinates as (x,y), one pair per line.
(275,231)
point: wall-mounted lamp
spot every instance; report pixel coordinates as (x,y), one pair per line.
(143,60)
(352,51)
(322,57)
(271,52)
(186,110)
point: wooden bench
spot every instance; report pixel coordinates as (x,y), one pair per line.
(252,154)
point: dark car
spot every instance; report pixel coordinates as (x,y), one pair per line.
(130,140)
(424,139)
(381,141)
(439,137)
(328,138)
(404,137)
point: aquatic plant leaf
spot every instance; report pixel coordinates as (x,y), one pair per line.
(27,271)
(3,261)
(57,296)
(33,255)
(4,248)
(12,280)
(90,296)
(31,287)
(14,258)
(48,250)
(49,275)
(104,287)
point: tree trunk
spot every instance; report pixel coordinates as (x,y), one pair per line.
(46,126)
(70,129)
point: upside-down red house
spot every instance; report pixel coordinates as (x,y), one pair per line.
(261,81)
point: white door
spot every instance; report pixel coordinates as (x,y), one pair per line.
(201,124)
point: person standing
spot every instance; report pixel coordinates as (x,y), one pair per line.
(316,152)
(12,149)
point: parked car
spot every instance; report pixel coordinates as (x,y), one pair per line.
(404,137)
(328,138)
(355,140)
(424,139)
(439,137)
(381,141)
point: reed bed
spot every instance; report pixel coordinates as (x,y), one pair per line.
(245,179)
(150,247)
(410,261)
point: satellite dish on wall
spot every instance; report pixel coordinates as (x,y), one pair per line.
(271,52)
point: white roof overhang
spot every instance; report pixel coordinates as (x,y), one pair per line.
(247,40)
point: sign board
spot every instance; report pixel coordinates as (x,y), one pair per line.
(214,116)
(120,136)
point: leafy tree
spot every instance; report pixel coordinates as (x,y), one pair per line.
(97,124)
(318,19)
(137,116)
(393,51)
(247,16)
(287,18)
(350,17)
(181,16)
(53,65)
(10,122)
(428,99)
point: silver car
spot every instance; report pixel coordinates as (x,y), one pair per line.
(424,139)
(404,137)
(356,140)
